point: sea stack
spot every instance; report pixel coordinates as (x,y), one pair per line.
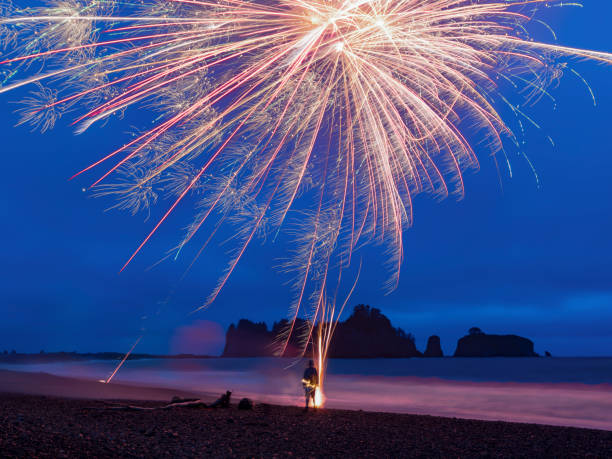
(479,344)
(433,347)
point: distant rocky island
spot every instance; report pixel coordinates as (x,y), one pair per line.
(367,333)
(479,344)
(48,357)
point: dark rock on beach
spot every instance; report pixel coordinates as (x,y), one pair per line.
(245,404)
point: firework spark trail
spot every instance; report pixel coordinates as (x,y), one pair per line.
(344,109)
(109,379)
(325,321)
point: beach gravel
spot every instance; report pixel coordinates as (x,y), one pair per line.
(36,426)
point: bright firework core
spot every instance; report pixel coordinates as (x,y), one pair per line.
(321,118)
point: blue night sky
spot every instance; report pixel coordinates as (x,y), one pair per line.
(531,260)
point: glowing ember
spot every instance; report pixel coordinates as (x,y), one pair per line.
(319,398)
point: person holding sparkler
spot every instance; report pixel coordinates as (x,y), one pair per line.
(310,381)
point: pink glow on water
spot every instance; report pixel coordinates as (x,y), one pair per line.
(579,404)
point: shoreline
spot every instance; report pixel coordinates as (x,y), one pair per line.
(552,404)
(49,385)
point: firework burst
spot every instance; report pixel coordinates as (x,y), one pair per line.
(344,109)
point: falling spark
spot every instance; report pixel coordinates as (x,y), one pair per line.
(122,361)
(325,321)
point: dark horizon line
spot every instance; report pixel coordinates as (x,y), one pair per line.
(111,355)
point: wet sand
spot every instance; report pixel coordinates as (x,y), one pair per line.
(58,426)
(61,386)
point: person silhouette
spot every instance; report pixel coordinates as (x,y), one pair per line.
(310,381)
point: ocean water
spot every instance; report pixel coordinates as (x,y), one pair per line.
(558,391)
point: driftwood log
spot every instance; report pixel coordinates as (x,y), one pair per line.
(177,402)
